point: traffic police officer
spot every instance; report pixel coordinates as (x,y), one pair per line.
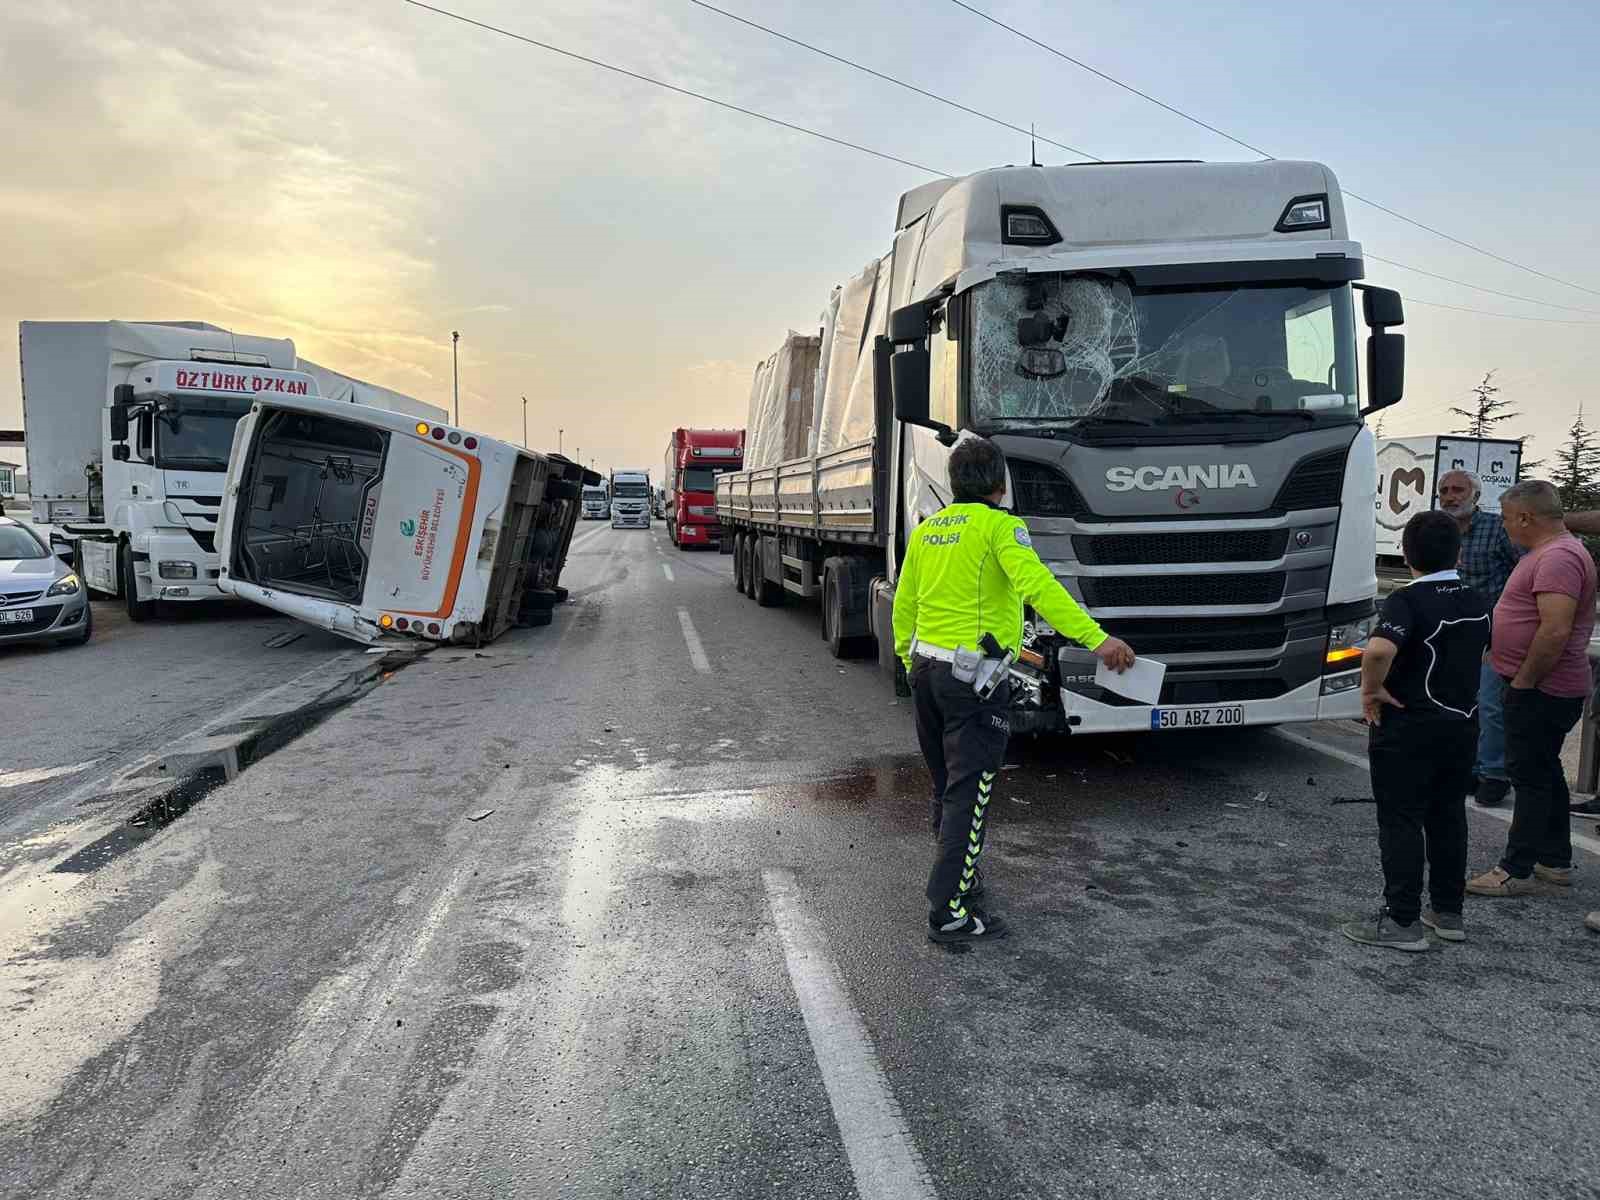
(968,571)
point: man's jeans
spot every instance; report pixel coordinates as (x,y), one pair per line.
(1541,827)
(1491,725)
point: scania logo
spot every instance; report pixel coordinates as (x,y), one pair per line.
(1186,497)
(1191,478)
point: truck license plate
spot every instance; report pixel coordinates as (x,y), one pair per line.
(1196,718)
(16,616)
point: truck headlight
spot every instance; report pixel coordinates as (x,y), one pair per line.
(177,570)
(1345,643)
(67,585)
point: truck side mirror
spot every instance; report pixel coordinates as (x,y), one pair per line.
(1386,352)
(121,401)
(1386,369)
(1382,307)
(909,365)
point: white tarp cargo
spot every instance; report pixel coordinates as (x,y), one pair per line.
(844,405)
(782,397)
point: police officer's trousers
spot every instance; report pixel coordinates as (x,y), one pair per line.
(963,740)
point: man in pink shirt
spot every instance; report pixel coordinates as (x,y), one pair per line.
(1542,628)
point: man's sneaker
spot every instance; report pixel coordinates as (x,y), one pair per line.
(1495,882)
(1585,808)
(1383,930)
(1447,925)
(1492,793)
(1560,876)
(1593,921)
(976,926)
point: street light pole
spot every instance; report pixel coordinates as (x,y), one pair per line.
(455,371)
(560,433)
(524,422)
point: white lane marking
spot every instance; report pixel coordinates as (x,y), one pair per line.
(1503,815)
(697,652)
(9,779)
(667,571)
(882,1155)
(1344,756)
(579,539)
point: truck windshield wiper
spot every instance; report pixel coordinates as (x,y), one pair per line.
(1098,419)
(1231,414)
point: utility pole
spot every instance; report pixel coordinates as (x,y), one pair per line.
(524,422)
(455,371)
(560,434)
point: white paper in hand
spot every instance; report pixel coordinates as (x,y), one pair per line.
(1141,682)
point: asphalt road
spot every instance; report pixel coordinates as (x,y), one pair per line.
(73,715)
(683,955)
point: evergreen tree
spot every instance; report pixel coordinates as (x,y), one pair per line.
(1488,409)
(1577,473)
(1377,430)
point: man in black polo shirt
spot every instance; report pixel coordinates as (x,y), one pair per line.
(1419,692)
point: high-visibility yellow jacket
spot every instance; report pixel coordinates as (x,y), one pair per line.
(968,571)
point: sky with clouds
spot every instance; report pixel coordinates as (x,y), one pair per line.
(366,177)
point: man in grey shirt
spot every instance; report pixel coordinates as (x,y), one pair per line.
(1487,557)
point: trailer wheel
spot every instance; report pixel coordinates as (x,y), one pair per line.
(138,610)
(767,593)
(738,562)
(750,565)
(840,644)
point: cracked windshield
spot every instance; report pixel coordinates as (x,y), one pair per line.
(1088,350)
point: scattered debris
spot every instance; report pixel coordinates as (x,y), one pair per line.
(287,637)
(1231,804)
(1118,757)
(480,814)
(1352,800)
(1311,781)
(1259,798)
(607,729)
(1183,845)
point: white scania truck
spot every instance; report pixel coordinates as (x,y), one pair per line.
(1169,356)
(129,426)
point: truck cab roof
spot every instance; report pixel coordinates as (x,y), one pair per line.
(1114,214)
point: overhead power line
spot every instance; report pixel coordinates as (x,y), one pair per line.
(1480,288)
(901,83)
(1222,133)
(748,112)
(1503,316)
(671,87)
(1004,124)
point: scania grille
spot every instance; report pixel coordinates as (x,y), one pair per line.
(1199,635)
(1138,549)
(1182,591)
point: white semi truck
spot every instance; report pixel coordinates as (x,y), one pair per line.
(129,426)
(381,527)
(1168,355)
(630,499)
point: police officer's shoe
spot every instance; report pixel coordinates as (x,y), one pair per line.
(976,926)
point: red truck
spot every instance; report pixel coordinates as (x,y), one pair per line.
(695,457)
